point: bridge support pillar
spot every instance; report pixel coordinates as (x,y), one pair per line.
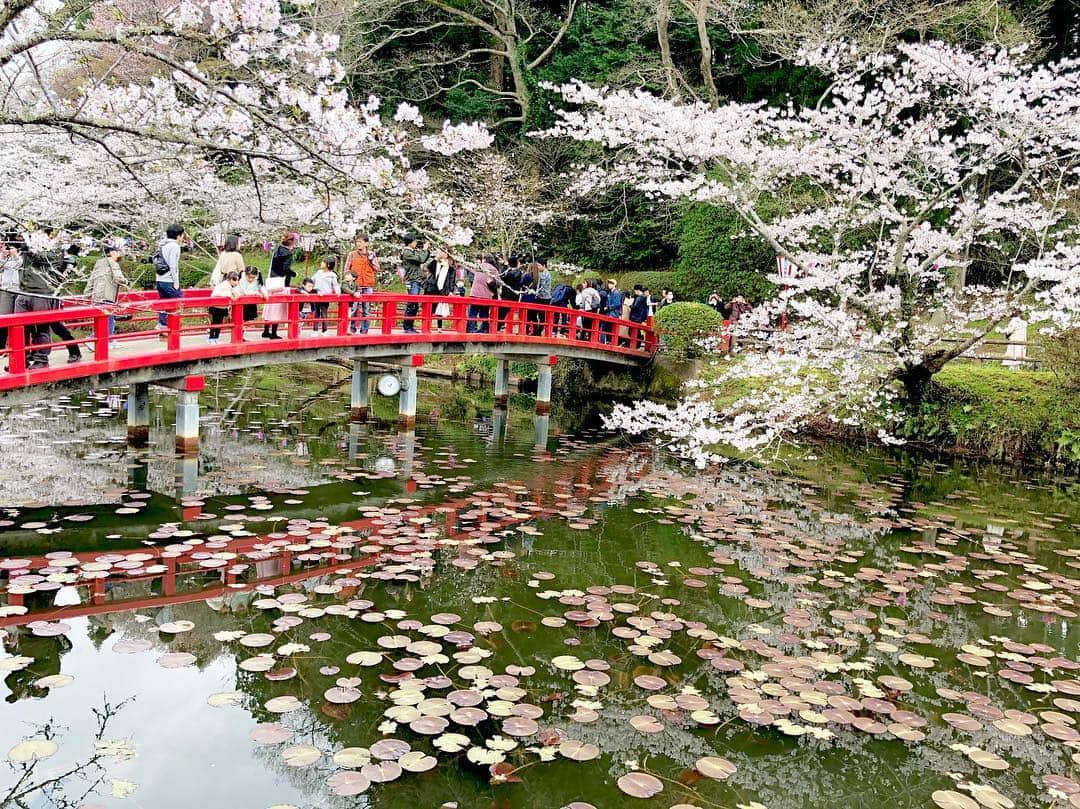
(187,422)
(543,386)
(502,382)
(360,389)
(138,414)
(407,395)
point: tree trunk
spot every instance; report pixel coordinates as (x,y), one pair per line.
(497,71)
(663,37)
(508,26)
(699,10)
(916,381)
(521,87)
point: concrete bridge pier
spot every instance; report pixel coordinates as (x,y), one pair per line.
(502,382)
(187,412)
(360,391)
(187,422)
(543,385)
(407,395)
(138,414)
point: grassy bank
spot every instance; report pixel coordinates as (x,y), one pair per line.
(972,409)
(993,412)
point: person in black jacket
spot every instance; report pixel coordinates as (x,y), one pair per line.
(639,309)
(414,259)
(441,275)
(42,274)
(510,288)
(282,259)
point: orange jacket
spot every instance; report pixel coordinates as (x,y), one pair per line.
(363,267)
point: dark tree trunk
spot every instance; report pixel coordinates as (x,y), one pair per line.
(916,382)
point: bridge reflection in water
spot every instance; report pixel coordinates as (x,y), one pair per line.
(204,565)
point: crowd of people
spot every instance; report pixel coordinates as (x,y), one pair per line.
(36,281)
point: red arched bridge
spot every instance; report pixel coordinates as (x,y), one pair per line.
(388,327)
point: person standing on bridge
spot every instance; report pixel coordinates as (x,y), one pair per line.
(41,277)
(613,306)
(229,260)
(10,272)
(103,285)
(326,283)
(440,281)
(413,261)
(282,259)
(482,287)
(362,266)
(639,310)
(166,262)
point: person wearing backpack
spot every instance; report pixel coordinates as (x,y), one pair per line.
(166,262)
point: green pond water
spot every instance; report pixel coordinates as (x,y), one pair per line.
(577,596)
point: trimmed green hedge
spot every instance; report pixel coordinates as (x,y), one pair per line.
(717,255)
(681,325)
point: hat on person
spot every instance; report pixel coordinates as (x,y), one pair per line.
(612,281)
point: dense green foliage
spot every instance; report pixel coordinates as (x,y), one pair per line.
(681,325)
(716,254)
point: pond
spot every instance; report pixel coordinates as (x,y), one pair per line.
(495,612)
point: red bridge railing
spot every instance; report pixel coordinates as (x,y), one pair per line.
(138,343)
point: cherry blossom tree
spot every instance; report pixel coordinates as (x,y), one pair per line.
(503,203)
(228,103)
(911,164)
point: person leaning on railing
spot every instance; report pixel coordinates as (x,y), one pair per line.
(251,283)
(229,290)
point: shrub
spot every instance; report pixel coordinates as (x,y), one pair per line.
(681,325)
(717,254)
(654,280)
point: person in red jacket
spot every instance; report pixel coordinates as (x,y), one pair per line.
(362,266)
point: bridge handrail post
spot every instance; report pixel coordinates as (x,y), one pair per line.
(651,340)
(294,318)
(389,315)
(236,316)
(17,349)
(174,324)
(342,316)
(460,312)
(426,314)
(101,336)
